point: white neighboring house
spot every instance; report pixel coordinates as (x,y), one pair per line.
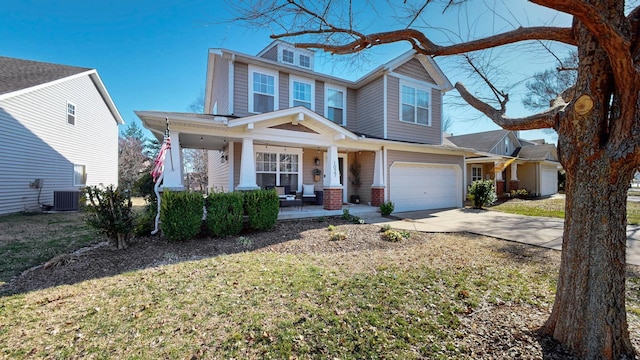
(59,129)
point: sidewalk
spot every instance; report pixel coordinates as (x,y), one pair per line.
(533,230)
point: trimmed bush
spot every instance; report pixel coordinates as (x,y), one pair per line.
(224,213)
(109,210)
(482,193)
(181,215)
(262,207)
(386,208)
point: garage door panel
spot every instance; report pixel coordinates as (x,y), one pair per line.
(549,181)
(424,186)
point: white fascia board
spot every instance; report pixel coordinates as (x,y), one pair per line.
(292,112)
(424,148)
(105,96)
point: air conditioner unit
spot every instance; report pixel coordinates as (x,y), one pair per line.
(66,200)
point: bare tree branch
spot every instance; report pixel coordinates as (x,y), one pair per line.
(423,45)
(542,120)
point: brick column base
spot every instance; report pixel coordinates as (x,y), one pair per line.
(332,198)
(377,196)
(514,185)
(500,187)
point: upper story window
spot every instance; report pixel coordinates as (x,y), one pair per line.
(302,92)
(71,113)
(305,61)
(415,104)
(287,56)
(506,145)
(79,175)
(335,100)
(263,94)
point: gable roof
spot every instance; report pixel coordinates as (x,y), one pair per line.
(18,76)
(484,141)
(539,152)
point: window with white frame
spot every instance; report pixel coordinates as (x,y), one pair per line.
(71,114)
(302,92)
(305,61)
(476,173)
(79,175)
(414,104)
(278,168)
(287,56)
(506,145)
(263,90)
(335,100)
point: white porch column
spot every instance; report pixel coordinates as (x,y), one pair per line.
(331,168)
(173,171)
(247,166)
(514,171)
(498,173)
(378,167)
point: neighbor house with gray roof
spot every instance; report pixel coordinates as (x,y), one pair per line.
(513,163)
(59,130)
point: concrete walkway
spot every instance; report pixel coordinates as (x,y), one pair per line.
(533,230)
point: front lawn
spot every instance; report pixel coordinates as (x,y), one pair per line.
(554,207)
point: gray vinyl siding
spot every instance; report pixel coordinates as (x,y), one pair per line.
(405,156)
(308,164)
(240,89)
(370,109)
(218,172)
(220,87)
(352,114)
(271,54)
(283,91)
(319,98)
(39,144)
(414,69)
(404,131)
(500,148)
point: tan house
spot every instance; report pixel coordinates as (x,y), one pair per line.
(512,162)
(273,121)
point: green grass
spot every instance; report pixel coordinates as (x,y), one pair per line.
(550,207)
(30,240)
(265,305)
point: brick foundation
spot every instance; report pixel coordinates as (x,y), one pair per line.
(332,198)
(514,185)
(377,196)
(500,187)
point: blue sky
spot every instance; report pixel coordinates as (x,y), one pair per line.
(152,54)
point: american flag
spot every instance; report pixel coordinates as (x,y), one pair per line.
(158,166)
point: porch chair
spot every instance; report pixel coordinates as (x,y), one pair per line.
(308,193)
(282,191)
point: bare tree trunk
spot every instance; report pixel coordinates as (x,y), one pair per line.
(589,314)
(122,241)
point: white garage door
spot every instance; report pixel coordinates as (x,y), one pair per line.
(549,183)
(416,186)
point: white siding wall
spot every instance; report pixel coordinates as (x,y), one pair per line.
(38,143)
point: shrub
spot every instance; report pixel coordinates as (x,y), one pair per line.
(224,213)
(321,219)
(520,193)
(357,220)
(337,236)
(345,214)
(262,207)
(145,221)
(482,193)
(181,215)
(385,227)
(331,227)
(386,208)
(109,210)
(392,235)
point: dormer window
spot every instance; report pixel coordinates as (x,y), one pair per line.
(287,56)
(305,61)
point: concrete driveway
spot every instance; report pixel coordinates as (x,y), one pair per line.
(533,230)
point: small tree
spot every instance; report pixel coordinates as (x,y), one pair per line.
(482,193)
(109,211)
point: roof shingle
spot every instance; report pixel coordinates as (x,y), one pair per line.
(18,74)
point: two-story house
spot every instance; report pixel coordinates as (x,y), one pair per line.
(59,131)
(274,121)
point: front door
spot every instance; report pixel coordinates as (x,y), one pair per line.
(342,165)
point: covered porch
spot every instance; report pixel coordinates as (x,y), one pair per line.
(291,147)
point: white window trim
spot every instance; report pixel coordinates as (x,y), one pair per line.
(476,167)
(281,150)
(507,144)
(296,56)
(419,86)
(293,56)
(294,78)
(300,61)
(256,69)
(75,113)
(344,101)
